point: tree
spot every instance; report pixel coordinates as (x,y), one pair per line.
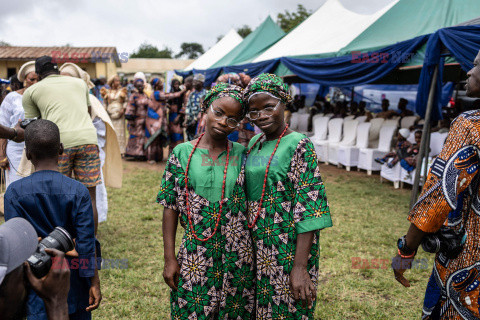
(289,20)
(244,31)
(147,50)
(220,37)
(191,50)
(4,44)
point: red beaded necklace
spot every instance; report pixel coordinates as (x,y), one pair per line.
(189,215)
(266,172)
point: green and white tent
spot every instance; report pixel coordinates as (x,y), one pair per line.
(405,19)
(253,45)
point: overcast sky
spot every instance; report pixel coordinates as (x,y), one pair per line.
(127,24)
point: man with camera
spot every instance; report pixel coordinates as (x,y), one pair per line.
(18,242)
(446,220)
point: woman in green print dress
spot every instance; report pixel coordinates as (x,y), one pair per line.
(213,275)
(287,206)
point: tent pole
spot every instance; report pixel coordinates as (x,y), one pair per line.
(427,152)
(423,143)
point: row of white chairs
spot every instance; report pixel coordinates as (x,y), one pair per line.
(299,121)
(353,143)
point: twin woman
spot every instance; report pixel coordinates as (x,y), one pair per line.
(251,244)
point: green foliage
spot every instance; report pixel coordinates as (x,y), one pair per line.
(244,31)
(289,20)
(147,50)
(4,44)
(190,50)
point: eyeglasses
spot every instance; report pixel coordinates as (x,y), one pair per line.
(232,123)
(268,111)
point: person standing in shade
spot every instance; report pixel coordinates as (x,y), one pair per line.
(194,104)
(11,111)
(66,102)
(287,206)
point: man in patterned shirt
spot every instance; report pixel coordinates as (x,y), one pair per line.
(450,200)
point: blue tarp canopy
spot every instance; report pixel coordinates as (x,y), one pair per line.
(342,71)
(463,44)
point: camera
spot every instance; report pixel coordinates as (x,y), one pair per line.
(26,122)
(447,241)
(41,262)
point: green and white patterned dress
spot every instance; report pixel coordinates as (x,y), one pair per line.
(217,277)
(294,202)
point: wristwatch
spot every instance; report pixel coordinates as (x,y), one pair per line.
(403,250)
(15,133)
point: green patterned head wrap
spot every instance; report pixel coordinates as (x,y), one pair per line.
(224,90)
(267,83)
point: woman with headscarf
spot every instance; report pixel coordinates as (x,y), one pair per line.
(115,100)
(156,123)
(287,206)
(11,111)
(203,185)
(136,115)
(109,150)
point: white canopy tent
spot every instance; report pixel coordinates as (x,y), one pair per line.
(327,30)
(217,52)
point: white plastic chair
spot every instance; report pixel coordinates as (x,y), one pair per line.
(334,135)
(294,121)
(437,140)
(302,125)
(320,129)
(348,155)
(349,139)
(348,118)
(303,110)
(374,134)
(366,159)
(407,122)
(391,122)
(361,119)
(329,115)
(393,174)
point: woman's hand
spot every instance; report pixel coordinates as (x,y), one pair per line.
(302,287)
(399,266)
(171,272)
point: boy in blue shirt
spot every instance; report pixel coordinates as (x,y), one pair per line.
(48,199)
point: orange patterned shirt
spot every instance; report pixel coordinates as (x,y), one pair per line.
(448,199)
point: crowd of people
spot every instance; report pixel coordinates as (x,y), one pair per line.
(251,211)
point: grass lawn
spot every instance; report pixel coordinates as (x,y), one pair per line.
(368,218)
